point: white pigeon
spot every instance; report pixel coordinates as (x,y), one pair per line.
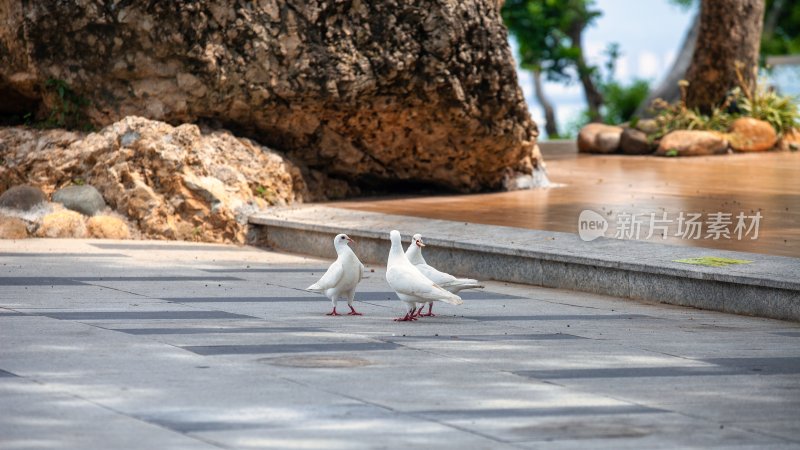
(342,276)
(410,284)
(445,280)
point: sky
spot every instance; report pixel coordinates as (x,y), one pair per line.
(649,34)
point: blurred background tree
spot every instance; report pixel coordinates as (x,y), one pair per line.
(781,34)
(549,34)
(550,38)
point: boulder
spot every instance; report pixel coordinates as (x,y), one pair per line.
(752,135)
(405,91)
(692,143)
(62,224)
(83,199)
(170,182)
(22,198)
(635,142)
(599,138)
(107,227)
(12,228)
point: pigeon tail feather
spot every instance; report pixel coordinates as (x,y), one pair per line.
(462,283)
(316,288)
(452,299)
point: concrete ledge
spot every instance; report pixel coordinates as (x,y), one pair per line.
(768,287)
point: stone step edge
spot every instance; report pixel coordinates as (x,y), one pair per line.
(695,272)
(648,282)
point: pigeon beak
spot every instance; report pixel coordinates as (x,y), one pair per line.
(350,240)
(419,243)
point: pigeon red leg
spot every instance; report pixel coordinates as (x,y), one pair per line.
(353,312)
(333,313)
(407,318)
(430,311)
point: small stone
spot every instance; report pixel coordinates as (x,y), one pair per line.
(83,199)
(791,141)
(692,143)
(107,227)
(12,228)
(62,224)
(752,135)
(635,142)
(23,197)
(648,126)
(599,138)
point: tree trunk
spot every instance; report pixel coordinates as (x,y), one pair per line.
(550,125)
(668,90)
(729,40)
(594,99)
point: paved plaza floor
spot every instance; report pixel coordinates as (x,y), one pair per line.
(163,345)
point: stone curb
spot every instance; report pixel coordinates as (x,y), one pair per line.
(768,287)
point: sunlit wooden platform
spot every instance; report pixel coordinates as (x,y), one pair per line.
(768,183)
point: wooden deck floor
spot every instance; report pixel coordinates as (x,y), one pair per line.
(611,185)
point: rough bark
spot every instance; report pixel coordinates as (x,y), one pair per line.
(668,90)
(728,42)
(370,92)
(550,123)
(594,99)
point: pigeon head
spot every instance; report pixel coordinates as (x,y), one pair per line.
(341,241)
(417,239)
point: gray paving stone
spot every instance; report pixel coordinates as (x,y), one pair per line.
(290,348)
(144,315)
(533,412)
(60,255)
(572,317)
(270,270)
(282,374)
(170,247)
(198,330)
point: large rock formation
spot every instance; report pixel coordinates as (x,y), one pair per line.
(169,182)
(370,92)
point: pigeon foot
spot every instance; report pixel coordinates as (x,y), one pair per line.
(353,312)
(407,318)
(333,313)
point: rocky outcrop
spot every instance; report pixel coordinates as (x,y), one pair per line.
(368,92)
(12,228)
(170,182)
(107,227)
(62,224)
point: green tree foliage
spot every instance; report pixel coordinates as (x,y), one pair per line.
(549,33)
(781,28)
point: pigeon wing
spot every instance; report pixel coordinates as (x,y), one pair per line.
(330,279)
(406,280)
(434,275)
